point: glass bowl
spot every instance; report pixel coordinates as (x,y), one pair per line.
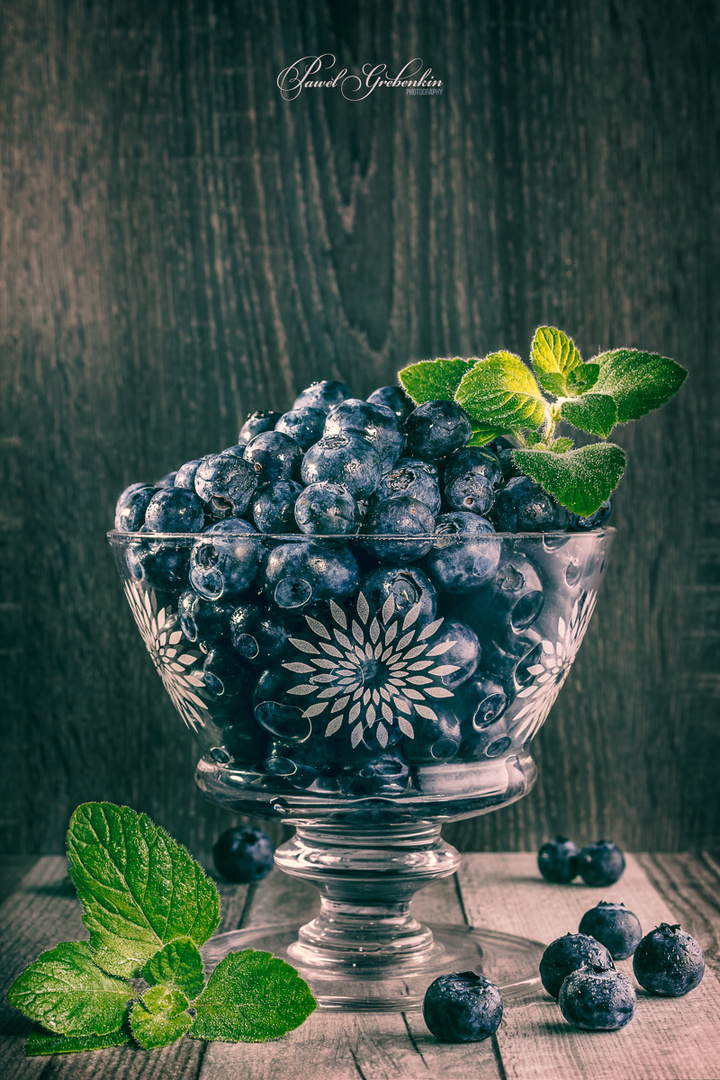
(366,690)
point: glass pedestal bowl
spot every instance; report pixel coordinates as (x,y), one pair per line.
(366,690)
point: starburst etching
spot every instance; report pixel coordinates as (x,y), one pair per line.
(162,635)
(371,673)
(550,673)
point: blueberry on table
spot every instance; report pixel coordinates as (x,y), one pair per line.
(413,477)
(392,397)
(462,1007)
(185,476)
(568,953)
(225,483)
(523,506)
(274,456)
(557,862)
(304,425)
(298,575)
(595,999)
(243,855)
(343,459)
(322,395)
(131,506)
(614,926)
(173,510)
(326,509)
(436,429)
(408,586)
(273,507)
(256,423)
(377,424)
(601,863)
(669,962)
(225,560)
(404,517)
(464,553)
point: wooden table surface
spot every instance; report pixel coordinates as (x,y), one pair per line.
(677,1039)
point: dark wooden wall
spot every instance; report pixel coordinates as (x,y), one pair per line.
(179,245)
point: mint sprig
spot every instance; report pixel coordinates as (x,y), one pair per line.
(502,396)
(148,906)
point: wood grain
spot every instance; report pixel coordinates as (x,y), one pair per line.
(179,246)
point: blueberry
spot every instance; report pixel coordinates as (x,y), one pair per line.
(274,456)
(557,862)
(408,586)
(523,506)
(225,560)
(411,477)
(243,855)
(614,926)
(509,603)
(484,700)
(298,575)
(567,954)
(277,711)
(322,395)
(436,429)
(243,739)
(386,774)
(594,521)
(204,621)
(436,739)
(166,481)
(511,658)
(470,494)
(273,507)
(597,1000)
(392,397)
(304,425)
(225,675)
(161,564)
(478,460)
(455,645)
(668,961)
(256,423)
(489,740)
(400,516)
(343,459)
(327,509)
(601,863)
(225,483)
(300,764)
(464,552)
(185,476)
(173,510)
(376,424)
(131,506)
(462,1007)
(257,634)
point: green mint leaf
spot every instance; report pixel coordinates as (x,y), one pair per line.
(559,446)
(533,438)
(579,479)
(435,380)
(178,966)
(41,1043)
(582,378)
(500,392)
(482,436)
(138,887)
(160,1017)
(638,381)
(594,413)
(250,997)
(66,992)
(554,356)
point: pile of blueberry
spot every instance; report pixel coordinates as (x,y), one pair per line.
(369,522)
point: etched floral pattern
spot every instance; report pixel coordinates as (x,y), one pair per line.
(371,672)
(550,673)
(175,662)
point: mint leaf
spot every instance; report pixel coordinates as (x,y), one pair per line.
(500,392)
(178,966)
(160,1017)
(250,997)
(66,992)
(638,381)
(138,887)
(582,378)
(554,355)
(482,436)
(559,446)
(579,479)
(434,380)
(594,413)
(41,1043)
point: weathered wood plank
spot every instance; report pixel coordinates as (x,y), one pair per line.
(669,1039)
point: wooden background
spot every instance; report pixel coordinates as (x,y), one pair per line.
(180,246)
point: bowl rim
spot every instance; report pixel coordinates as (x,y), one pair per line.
(346,538)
